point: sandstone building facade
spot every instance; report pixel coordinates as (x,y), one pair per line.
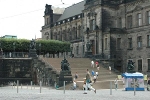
(118,30)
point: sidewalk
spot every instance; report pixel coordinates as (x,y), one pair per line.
(9,93)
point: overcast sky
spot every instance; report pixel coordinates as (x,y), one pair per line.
(24,18)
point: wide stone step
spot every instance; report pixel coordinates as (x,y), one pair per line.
(80,65)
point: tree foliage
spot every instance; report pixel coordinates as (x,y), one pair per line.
(23,45)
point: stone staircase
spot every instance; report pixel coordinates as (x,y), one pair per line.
(80,65)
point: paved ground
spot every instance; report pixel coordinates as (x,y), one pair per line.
(9,93)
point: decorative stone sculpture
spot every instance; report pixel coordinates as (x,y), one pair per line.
(65,73)
(32,50)
(130,67)
(32,44)
(88,46)
(65,65)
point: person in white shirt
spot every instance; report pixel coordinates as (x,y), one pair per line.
(94,78)
(92,63)
(96,73)
(74,85)
(109,69)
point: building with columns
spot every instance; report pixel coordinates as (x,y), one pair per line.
(118,31)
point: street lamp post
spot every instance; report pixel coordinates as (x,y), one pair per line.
(14,44)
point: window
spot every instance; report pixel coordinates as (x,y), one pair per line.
(148,17)
(51,35)
(61,37)
(79,31)
(129,21)
(47,38)
(70,35)
(119,23)
(73,18)
(76,33)
(47,21)
(118,43)
(139,19)
(130,43)
(92,24)
(83,49)
(139,41)
(148,40)
(148,62)
(77,50)
(140,65)
(106,44)
(55,36)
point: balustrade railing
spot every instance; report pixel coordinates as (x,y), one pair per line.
(15,54)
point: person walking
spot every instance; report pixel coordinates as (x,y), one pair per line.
(148,84)
(92,63)
(109,69)
(94,78)
(96,63)
(116,83)
(88,81)
(93,73)
(76,75)
(96,73)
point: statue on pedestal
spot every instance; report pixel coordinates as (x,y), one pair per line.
(65,65)
(130,67)
(88,46)
(32,44)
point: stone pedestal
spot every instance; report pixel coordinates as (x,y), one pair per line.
(32,53)
(65,76)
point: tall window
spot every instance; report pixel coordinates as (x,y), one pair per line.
(79,31)
(106,44)
(140,65)
(118,43)
(76,33)
(61,36)
(92,24)
(65,35)
(130,43)
(83,49)
(51,35)
(119,23)
(139,19)
(56,36)
(148,40)
(129,21)
(47,21)
(139,41)
(73,33)
(148,17)
(70,35)
(148,62)
(77,50)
